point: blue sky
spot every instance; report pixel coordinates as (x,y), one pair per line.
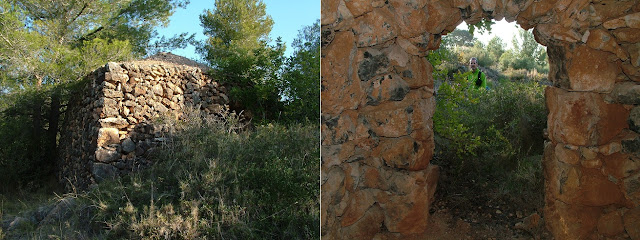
(289,16)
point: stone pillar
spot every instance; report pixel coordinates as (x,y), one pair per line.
(377,105)
(377,109)
(591,160)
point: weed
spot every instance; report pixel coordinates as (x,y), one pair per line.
(217,180)
(491,139)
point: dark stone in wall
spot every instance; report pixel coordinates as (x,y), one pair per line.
(631,146)
(108,131)
(371,65)
(557,67)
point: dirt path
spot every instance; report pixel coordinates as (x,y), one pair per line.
(483,224)
(466,209)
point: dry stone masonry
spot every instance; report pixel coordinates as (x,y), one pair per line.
(377,109)
(110,127)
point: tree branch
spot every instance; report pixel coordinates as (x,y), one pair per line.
(86,37)
(80,13)
(6,40)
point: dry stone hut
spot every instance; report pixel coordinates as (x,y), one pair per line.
(109,128)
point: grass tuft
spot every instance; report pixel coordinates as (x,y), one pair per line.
(216,180)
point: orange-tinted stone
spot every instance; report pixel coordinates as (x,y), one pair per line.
(591,70)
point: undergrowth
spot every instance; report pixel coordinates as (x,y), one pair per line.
(216,180)
(491,141)
(212,178)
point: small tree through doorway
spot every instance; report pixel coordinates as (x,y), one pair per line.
(489,142)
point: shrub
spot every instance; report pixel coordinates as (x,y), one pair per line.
(523,75)
(479,52)
(217,181)
(30,120)
(23,163)
(448,121)
(516,75)
(491,136)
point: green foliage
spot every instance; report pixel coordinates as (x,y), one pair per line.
(483,26)
(440,58)
(478,50)
(301,76)
(26,135)
(237,47)
(507,59)
(22,157)
(234,27)
(528,54)
(490,137)
(490,141)
(264,82)
(47,46)
(215,181)
(459,38)
(167,44)
(495,49)
(448,121)
(254,80)
(45,41)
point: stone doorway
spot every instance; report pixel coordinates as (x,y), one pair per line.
(377,104)
(489,142)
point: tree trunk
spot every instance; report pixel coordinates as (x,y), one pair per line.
(38,101)
(37,121)
(51,147)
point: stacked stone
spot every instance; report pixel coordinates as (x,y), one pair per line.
(592,156)
(377,105)
(377,109)
(110,129)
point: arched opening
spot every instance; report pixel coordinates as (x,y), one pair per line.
(489,140)
(377,180)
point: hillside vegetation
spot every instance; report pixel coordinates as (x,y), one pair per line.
(214,180)
(217,177)
(489,142)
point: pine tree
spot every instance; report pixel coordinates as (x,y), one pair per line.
(238,49)
(301,78)
(235,27)
(45,45)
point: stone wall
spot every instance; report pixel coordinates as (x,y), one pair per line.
(110,128)
(377,105)
(377,109)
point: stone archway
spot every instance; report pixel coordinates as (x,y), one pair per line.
(377,105)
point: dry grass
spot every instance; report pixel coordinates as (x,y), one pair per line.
(215,179)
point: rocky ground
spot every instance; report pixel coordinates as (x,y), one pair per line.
(487,220)
(462,212)
(63,218)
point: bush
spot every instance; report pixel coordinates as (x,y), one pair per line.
(23,163)
(516,75)
(216,181)
(523,75)
(491,137)
(253,79)
(478,51)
